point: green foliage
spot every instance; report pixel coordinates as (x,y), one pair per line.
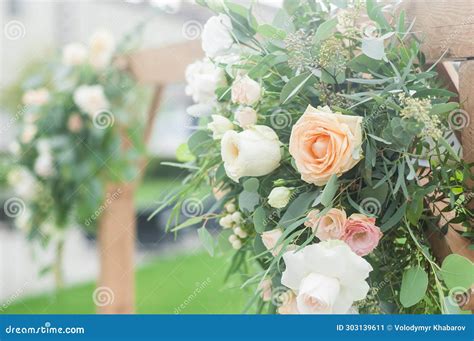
(307,56)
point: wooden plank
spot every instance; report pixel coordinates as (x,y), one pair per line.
(443,25)
(162,65)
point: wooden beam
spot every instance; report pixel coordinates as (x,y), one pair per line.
(163,65)
(443,25)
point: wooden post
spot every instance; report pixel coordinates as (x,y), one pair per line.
(115,292)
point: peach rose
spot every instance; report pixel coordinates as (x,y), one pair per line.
(74,123)
(361,234)
(329,226)
(325,143)
(288,304)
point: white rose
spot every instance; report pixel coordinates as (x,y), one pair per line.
(270,239)
(23,182)
(44,165)
(252,152)
(327,277)
(279,197)
(219,126)
(36,97)
(74,54)
(246,117)
(245,91)
(91,99)
(203,78)
(101,49)
(216,36)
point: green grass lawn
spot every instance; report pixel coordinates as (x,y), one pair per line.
(193,284)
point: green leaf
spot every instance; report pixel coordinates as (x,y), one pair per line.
(442,108)
(457,271)
(251,185)
(294,86)
(206,240)
(448,147)
(325,30)
(297,208)
(265,64)
(271,32)
(197,141)
(183,154)
(259,219)
(329,191)
(394,219)
(373,48)
(379,139)
(414,285)
(191,221)
(248,200)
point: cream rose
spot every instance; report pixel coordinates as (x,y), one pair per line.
(101,49)
(329,226)
(327,277)
(245,91)
(324,143)
(252,152)
(91,99)
(74,54)
(216,36)
(219,126)
(270,239)
(246,117)
(279,197)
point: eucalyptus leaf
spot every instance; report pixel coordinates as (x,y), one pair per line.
(207,240)
(414,285)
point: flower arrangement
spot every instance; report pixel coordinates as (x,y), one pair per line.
(75,109)
(326,140)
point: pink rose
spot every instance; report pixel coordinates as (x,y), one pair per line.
(329,226)
(361,234)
